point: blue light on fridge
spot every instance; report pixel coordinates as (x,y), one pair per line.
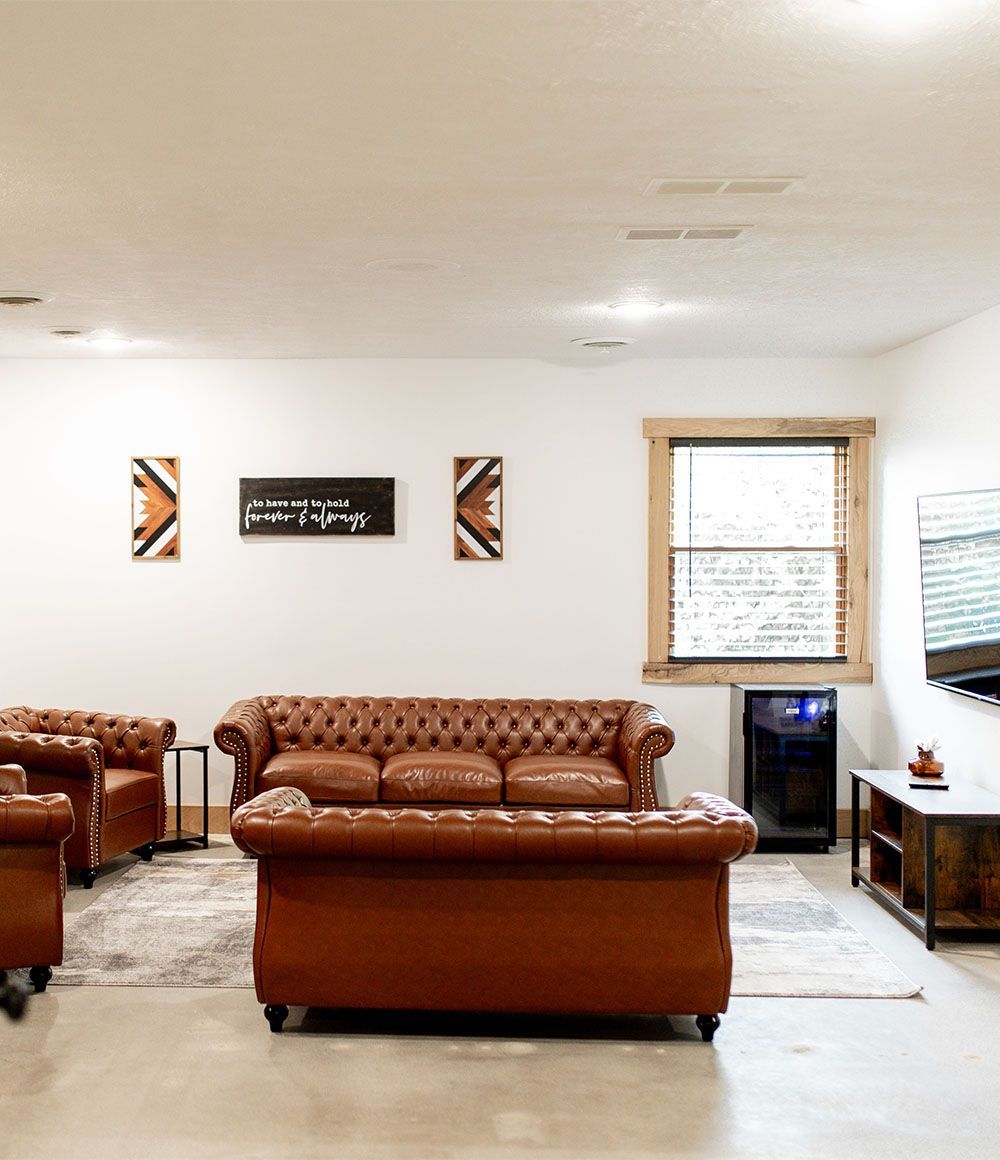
(803,708)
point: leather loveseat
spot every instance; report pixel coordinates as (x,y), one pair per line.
(434,751)
(109,765)
(32,876)
(494,910)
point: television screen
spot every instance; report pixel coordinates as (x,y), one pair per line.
(960,572)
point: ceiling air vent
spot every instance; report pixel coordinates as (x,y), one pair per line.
(680,233)
(20,299)
(650,235)
(710,186)
(602,344)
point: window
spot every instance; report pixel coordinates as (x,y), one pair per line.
(758,540)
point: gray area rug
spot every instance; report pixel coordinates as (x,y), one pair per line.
(788,941)
(173,922)
(188,922)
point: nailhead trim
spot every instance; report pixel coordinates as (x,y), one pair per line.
(96,759)
(241,753)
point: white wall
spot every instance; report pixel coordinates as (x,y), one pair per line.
(938,431)
(563,615)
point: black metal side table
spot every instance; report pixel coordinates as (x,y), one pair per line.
(179,837)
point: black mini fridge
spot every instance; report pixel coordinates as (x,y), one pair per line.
(783,764)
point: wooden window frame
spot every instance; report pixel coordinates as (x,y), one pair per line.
(857,668)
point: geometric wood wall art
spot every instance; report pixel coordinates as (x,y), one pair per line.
(479,508)
(156,508)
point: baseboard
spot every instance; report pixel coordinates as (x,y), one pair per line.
(844,823)
(191,819)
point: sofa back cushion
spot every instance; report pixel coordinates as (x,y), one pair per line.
(20,719)
(502,729)
(128,742)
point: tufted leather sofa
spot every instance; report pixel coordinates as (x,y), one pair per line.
(32,876)
(111,768)
(494,910)
(434,751)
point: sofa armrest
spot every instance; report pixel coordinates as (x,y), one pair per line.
(246,821)
(715,806)
(24,820)
(245,734)
(643,737)
(49,753)
(282,823)
(13,779)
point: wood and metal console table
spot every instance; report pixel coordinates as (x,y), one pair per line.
(180,836)
(935,854)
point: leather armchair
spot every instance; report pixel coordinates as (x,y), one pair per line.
(111,768)
(32,876)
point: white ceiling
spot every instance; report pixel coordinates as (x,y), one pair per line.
(211,178)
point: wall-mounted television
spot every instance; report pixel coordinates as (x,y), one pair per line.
(960,574)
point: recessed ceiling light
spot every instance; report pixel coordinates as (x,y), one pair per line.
(411,265)
(109,341)
(606,345)
(635,309)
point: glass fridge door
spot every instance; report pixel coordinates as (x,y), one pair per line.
(790,762)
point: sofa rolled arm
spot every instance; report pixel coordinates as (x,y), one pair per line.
(13,779)
(719,807)
(644,736)
(246,822)
(35,820)
(245,734)
(53,753)
(282,823)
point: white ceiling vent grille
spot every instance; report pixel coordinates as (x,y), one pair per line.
(680,233)
(604,345)
(702,186)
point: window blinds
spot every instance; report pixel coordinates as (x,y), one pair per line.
(758,549)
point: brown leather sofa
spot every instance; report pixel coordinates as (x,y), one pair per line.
(111,768)
(32,876)
(493,910)
(432,751)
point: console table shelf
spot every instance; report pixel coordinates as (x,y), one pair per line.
(889,840)
(935,856)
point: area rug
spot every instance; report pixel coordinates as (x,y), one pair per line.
(188,922)
(789,942)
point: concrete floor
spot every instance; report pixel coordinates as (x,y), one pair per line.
(152,1072)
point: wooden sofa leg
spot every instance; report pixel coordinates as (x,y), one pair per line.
(87,877)
(707,1025)
(40,978)
(276,1015)
(146,852)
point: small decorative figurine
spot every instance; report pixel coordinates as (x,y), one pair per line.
(925,765)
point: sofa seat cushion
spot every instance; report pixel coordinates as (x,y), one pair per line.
(462,778)
(130,789)
(565,781)
(325,776)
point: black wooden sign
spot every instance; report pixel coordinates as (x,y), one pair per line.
(318,507)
